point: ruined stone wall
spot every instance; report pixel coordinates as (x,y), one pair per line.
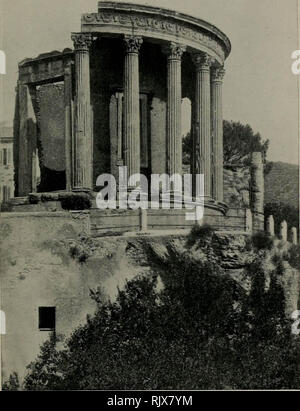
(52,123)
(244,189)
(51,144)
(237,187)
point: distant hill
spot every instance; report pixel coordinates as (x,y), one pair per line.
(282,184)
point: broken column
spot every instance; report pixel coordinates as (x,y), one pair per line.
(294,235)
(257,191)
(283,230)
(270,225)
(249,222)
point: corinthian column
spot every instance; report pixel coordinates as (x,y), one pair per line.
(202,119)
(82,151)
(174,139)
(132,104)
(217,131)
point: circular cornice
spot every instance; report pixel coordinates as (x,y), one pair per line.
(115,18)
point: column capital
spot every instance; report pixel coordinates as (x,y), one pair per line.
(174,51)
(218,74)
(202,61)
(133,43)
(82,41)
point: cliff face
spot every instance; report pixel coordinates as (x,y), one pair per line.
(52,262)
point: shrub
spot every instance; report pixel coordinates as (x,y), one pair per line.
(34,198)
(293,256)
(73,201)
(5,207)
(81,249)
(78,252)
(200,235)
(12,384)
(262,241)
(45,373)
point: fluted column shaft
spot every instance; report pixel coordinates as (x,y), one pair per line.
(203,120)
(82,150)
(217,132)
(68,124)
(132,153)
(257,190)
(174,138)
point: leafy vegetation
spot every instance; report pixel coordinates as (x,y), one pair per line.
(293,256)
(262,241)
(281,211)
(201,330)
(75,201)
(200,235)
(239,142)
(12,384)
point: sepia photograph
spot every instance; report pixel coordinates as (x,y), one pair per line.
(149,198)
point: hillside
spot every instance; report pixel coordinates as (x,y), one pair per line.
(282,184)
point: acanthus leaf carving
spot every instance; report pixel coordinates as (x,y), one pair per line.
(82,41)
(175,51)
(133,43)
(202,61)
(218,74)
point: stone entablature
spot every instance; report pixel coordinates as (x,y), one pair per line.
(46,67)
(6,165)
(157,23)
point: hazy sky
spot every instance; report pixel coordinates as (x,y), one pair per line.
(259,87)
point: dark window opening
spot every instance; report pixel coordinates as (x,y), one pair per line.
(47,318)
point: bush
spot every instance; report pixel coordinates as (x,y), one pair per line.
(12,384)
(45,373)
(200,235)
(262,241)
(293,256)
(73,201)
(34,198)
(5,207)
(79,251)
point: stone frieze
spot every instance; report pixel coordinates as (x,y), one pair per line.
(155,24)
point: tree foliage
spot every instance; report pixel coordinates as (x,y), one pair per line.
(239,142)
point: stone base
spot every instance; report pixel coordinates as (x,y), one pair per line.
(120,221)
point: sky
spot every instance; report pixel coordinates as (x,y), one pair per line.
(259,87)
